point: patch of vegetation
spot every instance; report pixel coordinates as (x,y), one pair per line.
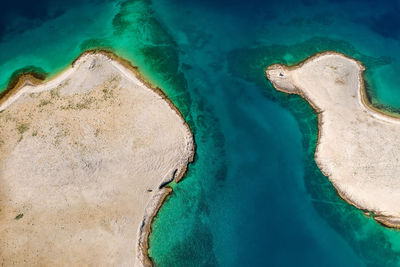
(19,216)
(97,132)
(44,103)
(23,127)
(70,106)
(34,133)
(107,93)
(115,79)
(9,118)
(84,104)
(54,93)
(63,132)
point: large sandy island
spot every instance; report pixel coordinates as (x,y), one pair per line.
(358,146)
(83,161)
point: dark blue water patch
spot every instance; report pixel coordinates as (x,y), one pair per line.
(384,20)
(39,9)
(248,11)
(387,24)
(19,16)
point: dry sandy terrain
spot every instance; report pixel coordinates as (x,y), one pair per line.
(82,158)
(358,147)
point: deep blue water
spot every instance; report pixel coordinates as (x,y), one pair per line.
(254,196)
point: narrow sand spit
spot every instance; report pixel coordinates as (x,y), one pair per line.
(358,147)
(83,158)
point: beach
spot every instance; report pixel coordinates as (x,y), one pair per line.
(85,158)
(357,144)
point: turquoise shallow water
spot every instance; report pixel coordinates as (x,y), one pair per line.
(254,195)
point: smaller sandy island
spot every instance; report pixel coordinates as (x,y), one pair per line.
(358,146)
(84,159)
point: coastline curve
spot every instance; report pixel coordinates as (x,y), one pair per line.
(284,81)
(28,80)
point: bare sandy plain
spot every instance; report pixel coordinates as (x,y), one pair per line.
(83,158)
(358,146)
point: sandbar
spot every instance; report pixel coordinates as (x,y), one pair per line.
(84,158)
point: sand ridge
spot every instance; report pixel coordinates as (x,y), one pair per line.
(357,145)
(82,160)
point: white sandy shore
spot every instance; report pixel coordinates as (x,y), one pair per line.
(358,146)
(82,158)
